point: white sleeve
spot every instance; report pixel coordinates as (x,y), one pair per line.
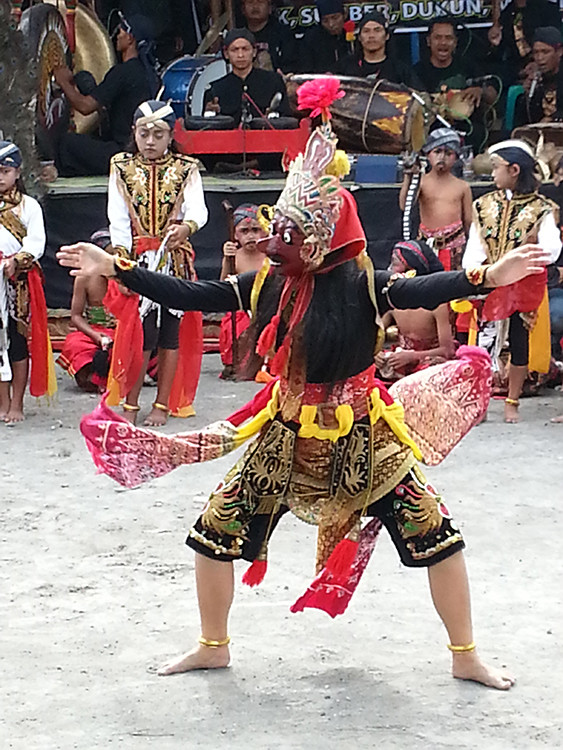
(549,236)
(118,215)
(32,216)
(193,207)
(475,252)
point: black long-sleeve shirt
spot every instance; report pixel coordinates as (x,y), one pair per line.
(219,296)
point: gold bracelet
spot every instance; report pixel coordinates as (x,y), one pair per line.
(192,226)
(162,407)
(462,649)
(214,644)
(131,407)
(512,401)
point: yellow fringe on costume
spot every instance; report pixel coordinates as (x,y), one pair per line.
(540,339)
(51,375)
(393,414)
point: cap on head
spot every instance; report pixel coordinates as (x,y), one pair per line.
(10,155)
(443,137)
(328,7)
(548,35)
(417,256)
(101,238)
(154,114)
(138,26)
(376,17)
(235,34)
(245,212)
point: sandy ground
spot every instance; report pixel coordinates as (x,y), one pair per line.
(97,591)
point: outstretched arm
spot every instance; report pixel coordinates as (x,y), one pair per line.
(208,296)
(433,290)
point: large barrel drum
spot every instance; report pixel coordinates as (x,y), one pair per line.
(377,117)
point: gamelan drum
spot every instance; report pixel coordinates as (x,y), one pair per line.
(551,132)
(186,79)
(277,123)
(217,122)
(377,117)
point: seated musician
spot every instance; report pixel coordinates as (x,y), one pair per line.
(275,44)
(372,58)
(124,87)
(544,87)
(324,46)
(245,89)
(443,69)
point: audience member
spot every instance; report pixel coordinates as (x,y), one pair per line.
(444,70)
(443,67)
(325,45)
(511,38)
(424,336)
(86,352)
(445,200)
(275,44)
(544,92)
(241,256)
(124,87)
(372,58)
(245,89)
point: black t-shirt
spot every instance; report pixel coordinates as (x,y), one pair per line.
(392,70)
(276,42)
(454,76)
(534,14)
(322,52)
(260,85)
(124,87)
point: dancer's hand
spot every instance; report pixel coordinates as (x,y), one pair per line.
(87,260)
(517,264)
(177,235)
(9,266)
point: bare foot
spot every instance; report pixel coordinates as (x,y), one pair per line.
(200,657)
(14,416)
(131,415)
(555,420)
(156,418)
(511,414)
(468,666)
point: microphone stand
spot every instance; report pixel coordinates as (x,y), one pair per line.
(245,119)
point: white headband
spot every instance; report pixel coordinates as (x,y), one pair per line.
(512,143)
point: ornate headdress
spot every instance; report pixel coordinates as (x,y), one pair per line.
(325,213)
(312,196)
(154,114)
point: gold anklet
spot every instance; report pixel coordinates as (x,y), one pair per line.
(462,649)
(161,407)
(512,402)
(214,644)
(130,407)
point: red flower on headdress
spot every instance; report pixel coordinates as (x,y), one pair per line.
(318,95)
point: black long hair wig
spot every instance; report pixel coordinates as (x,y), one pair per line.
(332,323)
